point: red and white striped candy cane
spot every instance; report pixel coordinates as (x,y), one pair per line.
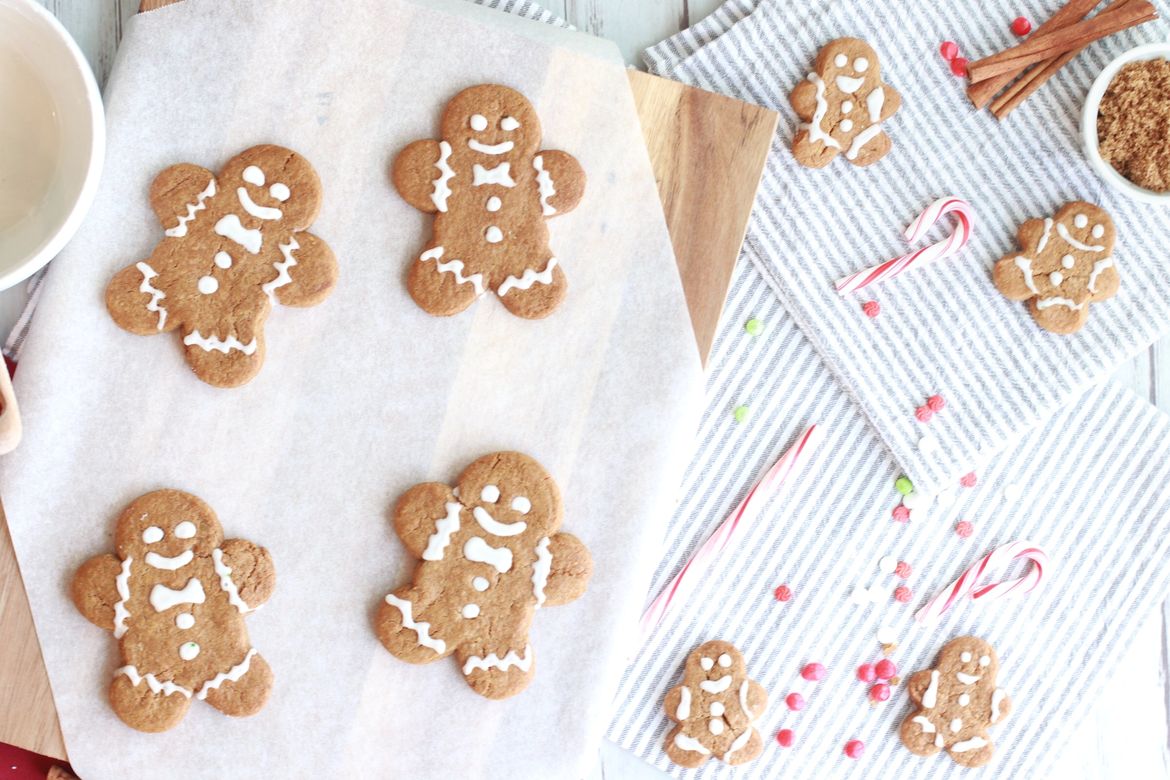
(739,519)
(965,224)
(968,583)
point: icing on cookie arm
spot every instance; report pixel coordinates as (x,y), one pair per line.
(1012,276)
(570,571)
(178,195)
(419,178)
(673,698)
(418,513)
(917,685)
(305,273)
(564,185)
(95,590)
(252,571)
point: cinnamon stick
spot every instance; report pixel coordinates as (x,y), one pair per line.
(1073,11)
(1074,36)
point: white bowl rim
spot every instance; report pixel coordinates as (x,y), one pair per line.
(56,241)
(1148,51)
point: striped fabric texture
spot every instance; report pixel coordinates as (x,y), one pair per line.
(943,329)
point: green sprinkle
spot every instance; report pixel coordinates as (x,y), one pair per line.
(741,413)
(754,327)
(904,486)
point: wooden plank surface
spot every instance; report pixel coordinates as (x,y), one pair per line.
(708,153)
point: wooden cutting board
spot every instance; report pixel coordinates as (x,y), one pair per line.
(708,154)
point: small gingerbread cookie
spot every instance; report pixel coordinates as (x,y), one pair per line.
(491,188)
(175,596)
(715,707)
(489,557)
(1066,264)
(843,103)
(234,245)
(957,702)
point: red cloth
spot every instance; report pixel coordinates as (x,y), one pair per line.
(17,764)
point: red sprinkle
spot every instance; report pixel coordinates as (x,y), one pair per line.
(783,593)
(959,67)
(936,403)
(866,673)
(902,594)
(923,413)
(969,480)
(949,50)
(795,702)
(901,513)
(813,672)
(1021,26)
(785,737)
(885,669)
(880,692)
(902,569)
(871,309)
(964,529)
(854,748)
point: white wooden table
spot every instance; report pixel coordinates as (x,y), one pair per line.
(1125,736)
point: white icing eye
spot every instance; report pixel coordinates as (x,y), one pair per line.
(707,663)
(1068,261)
(861,64)
(965,657)
(254,175)
(1098,231)
(725,660)
(153,534)
(478,123)
(985,661)
(522,505)
(185,529)
(208,284)
(1080,220)
(490,494)
(840,60)
(509,123)
(223,260)
(279,191)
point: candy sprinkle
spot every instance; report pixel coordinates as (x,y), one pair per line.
(783,593)
(959,67)
(794,701)
(902,569)
(854,748)
(866,673)
(879,692)
(936,403)
(949,50)
(885,669)
(904,485)
(1021,26)
(754,327)
(923,413)
(969,480)
(964,529)
(901,513)
(785,737)
(814,672)
(902,594)
(742,413)
(871,308)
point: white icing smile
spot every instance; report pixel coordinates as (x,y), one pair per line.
(495,527)
(849,85)
(500,148)
(169,564)
(257,211)
(967,679)
(716,686)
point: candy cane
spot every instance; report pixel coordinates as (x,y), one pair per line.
(965,218)
(967,584)
(796,456)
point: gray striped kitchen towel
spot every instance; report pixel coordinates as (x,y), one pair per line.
(1095,482)
(944,329)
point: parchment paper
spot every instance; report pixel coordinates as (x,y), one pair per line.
(360,397)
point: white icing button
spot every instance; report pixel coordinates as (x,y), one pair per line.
(945,499)
(985,661)
(861,64)
(188,651)
(478,123)
(887,564)
(1056,277)
(509,123)
(471,611)
(208,285)
(522,505)
(846,125)
(279,191)
(185,530)
(480,584)
(1098,231)
(717,709)
(1013,492)
(254,175)
(1068,261)
(706,663)
(185,620)
(152,534)
(716,726)
(494,235)
(223,260)
(928,444)
(847,106)
(886,635)
(1080,220)
(965,657)
(964,700)
(494,203)
(725,660)
(840,60)
(490,494)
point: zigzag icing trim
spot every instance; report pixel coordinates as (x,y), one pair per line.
(422,629)
(444,528)
(156,294)
(180,230)
(231,675)
(216,344)
(453,267)
(529,278)
(226,584)
(442,189)
(282,266)
(122,583)
(493,661)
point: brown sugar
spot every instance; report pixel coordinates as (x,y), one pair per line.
(1133,124)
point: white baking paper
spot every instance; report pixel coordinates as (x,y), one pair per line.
(359,398)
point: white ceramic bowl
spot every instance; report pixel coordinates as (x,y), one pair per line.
(52,138)
(1151,51)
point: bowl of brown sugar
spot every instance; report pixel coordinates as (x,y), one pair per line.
(1126,123)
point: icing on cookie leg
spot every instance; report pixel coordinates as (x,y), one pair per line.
(535,293)
(144,703)
(442,286)
(241,690)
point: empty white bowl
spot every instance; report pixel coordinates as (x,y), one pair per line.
(1151,51)
(52,138)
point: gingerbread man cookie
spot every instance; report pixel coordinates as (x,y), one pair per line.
(957,702)
(715,708)
(1066,264)
(489,557)
(843,103)
(234,245)
(491,190)
(175,596)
